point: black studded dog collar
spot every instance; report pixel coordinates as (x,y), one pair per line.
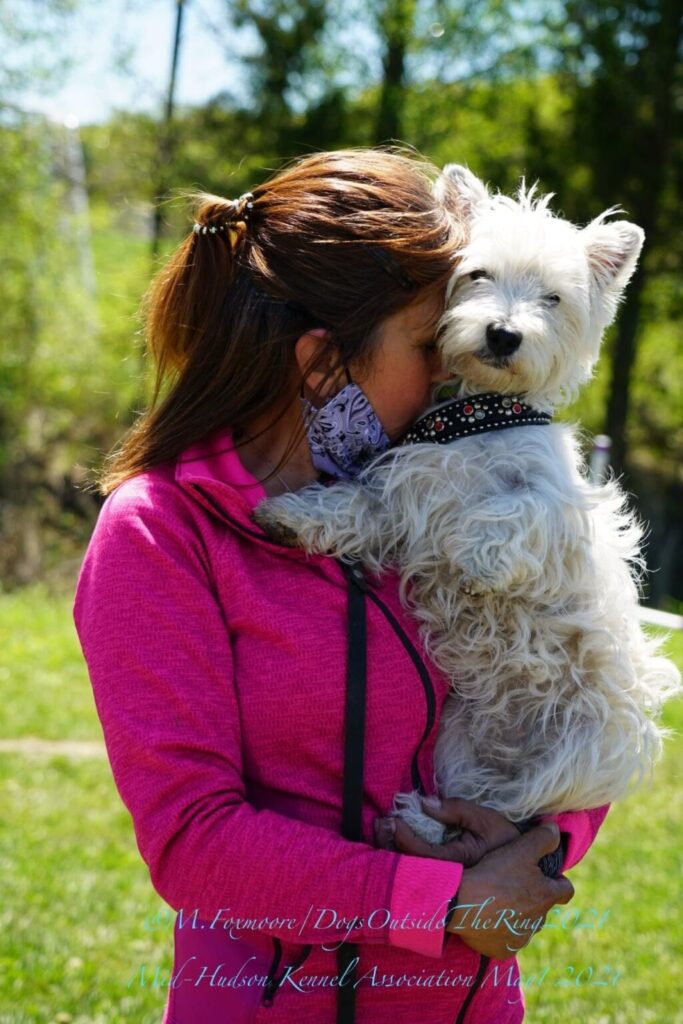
(463,417)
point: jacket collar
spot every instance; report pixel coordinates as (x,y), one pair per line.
(211,472)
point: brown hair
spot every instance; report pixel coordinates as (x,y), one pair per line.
(339,240)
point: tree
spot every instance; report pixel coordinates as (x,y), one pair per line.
(167,134)
(45,311)
(395,21)
(289,33)
(29,35)
(624,68)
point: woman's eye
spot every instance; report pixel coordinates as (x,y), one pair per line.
(552,300)
(478,275)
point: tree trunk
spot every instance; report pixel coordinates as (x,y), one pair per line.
(166,139)
(396,25)
(623,358)
(658,146)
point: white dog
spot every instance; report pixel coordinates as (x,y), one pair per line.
(523,574)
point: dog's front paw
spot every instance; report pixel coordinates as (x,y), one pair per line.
(475,587)
(480,581)
(270,518)
(409,807)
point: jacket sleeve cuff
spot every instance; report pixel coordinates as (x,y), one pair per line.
(419,902)
(581,828)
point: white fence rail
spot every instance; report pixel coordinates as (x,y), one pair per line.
(656,618)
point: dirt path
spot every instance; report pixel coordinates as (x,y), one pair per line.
(33,747)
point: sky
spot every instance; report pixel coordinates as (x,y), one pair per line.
(121,55)
(105,29)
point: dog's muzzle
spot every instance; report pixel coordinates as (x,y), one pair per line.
(501,341)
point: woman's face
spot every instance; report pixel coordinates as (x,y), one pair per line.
(404,365)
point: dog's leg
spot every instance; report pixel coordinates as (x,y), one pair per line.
(504,547)
(341,519)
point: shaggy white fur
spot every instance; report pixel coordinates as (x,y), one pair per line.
(523,575)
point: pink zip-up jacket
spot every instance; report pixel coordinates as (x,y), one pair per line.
(218,660)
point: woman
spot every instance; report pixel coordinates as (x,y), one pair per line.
(293,333)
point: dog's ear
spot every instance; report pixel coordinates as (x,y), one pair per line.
(460,190)
(613,250)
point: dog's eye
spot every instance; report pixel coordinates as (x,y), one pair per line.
(552,300)
(478,275)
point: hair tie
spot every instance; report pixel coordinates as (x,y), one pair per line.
(238,213)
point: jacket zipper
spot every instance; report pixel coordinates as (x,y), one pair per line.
(483,964)
(273,983)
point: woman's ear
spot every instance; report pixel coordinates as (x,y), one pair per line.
(315,348)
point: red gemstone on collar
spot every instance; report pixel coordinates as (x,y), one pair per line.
(438,425)
(468,410)
(516,407)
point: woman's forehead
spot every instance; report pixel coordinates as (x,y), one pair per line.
(424,313)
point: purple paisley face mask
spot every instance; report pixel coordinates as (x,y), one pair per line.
(344,433)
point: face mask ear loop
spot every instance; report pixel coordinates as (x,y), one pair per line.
(349,380)
(307,409)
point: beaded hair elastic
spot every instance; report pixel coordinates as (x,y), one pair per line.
(239,211)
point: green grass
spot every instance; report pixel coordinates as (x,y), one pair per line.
(78,901)
(44,684)
(78,907)
(634,873)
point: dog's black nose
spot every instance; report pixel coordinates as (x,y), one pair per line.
(502,341)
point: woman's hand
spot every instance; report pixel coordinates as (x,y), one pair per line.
(504,899)
(483,830)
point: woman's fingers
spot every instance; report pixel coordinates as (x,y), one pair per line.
(541,839)
(483,829)
(395,834)
(535,844)
(493,828)
(564,891)
(509,881)
(384,833)
(467,850)
(452,811)
(509,875)
(407,842)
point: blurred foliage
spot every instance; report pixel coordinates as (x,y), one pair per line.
(30,32)
(46,328)
(574,94)
(621,65)
(57,359)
